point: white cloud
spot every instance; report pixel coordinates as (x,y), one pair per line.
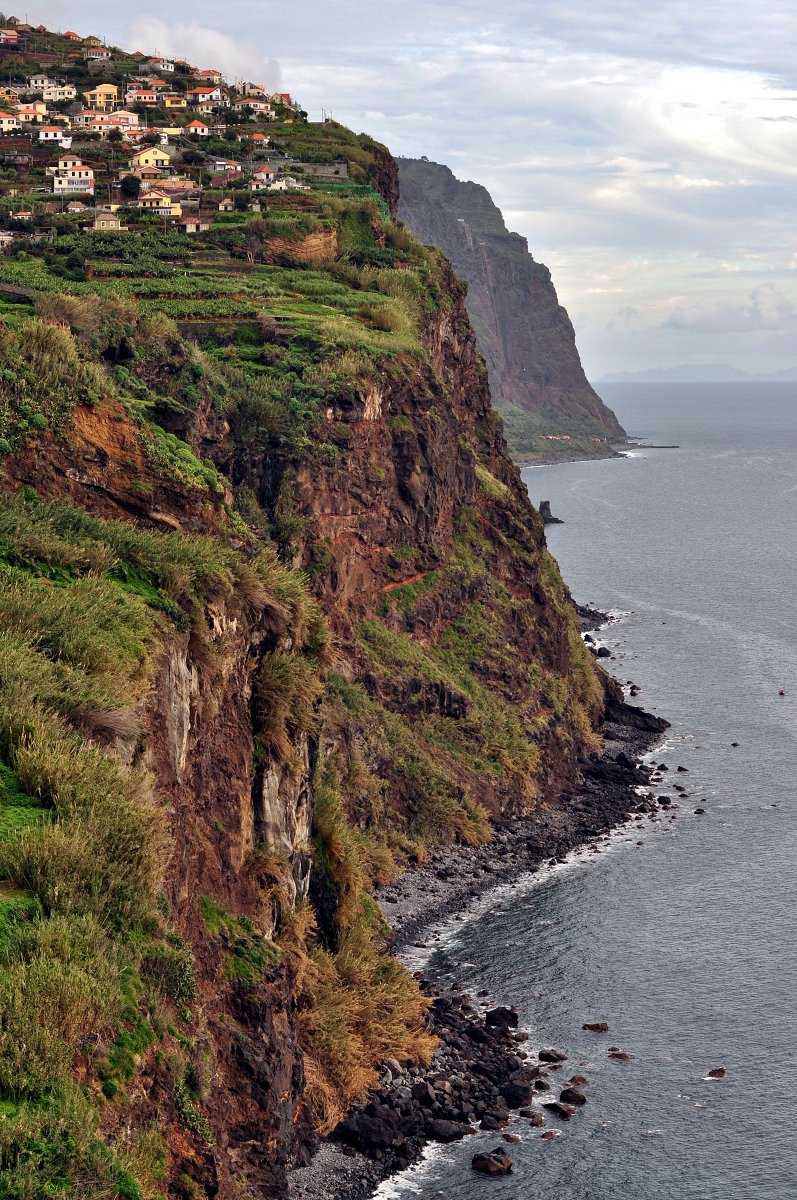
(764,309)
(203,47)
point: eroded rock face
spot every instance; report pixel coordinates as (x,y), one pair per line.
(283,813)
(536,376)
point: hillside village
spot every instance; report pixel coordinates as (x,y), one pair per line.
(117,140)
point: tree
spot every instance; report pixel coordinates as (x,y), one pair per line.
(255,233)
(130,187)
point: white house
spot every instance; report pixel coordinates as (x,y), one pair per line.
(205,95)
(72,175)
(52,133)
(288,184)
(194,225)
(57,93)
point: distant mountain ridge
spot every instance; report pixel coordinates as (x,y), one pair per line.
(537,381)
(700,373)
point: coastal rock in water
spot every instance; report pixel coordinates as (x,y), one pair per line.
(559,1109)
(717,1073)
(492,1162)
(501,1018)
(596,1027)
(571,1095)
(552,1056)
(547,516)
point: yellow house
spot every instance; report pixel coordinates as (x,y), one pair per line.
(103,98)
(174,101)
(150,156)
(158,202)
(9,95)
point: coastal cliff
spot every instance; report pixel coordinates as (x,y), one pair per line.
(278,622)
(537,381)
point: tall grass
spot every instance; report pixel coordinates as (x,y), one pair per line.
(357,1003)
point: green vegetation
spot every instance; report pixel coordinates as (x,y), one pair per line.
(343,979)
(85,957)
(248,954)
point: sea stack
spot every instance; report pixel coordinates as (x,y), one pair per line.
(547,516)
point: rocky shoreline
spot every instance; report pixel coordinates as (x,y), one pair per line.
(482,1069)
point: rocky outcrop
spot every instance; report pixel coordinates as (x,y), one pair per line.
(536,378)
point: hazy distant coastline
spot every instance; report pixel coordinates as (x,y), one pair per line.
(699,373)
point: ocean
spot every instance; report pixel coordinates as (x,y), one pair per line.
(687,944)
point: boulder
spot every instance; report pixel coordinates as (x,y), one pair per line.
(424,1093)
(559,1109)
(552,1056)
(492,1162)
(717,1073)
(501,1018)
(369,1133)
(596,1027)
(571,1095)
(517,1092)
(447,1131)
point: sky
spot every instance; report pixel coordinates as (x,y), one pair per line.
(647,152)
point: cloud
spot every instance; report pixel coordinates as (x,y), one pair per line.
(203,47)
(765,309)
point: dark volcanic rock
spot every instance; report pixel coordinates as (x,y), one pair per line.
(552,1056)
(547,516)
(447,1131)
(501,1018)
(492,1162)
(559,1109)
(571,1095)
(517,1093)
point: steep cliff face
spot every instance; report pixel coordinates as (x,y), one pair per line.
(276,619)
(536,378)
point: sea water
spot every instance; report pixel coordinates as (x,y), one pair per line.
(687,944)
